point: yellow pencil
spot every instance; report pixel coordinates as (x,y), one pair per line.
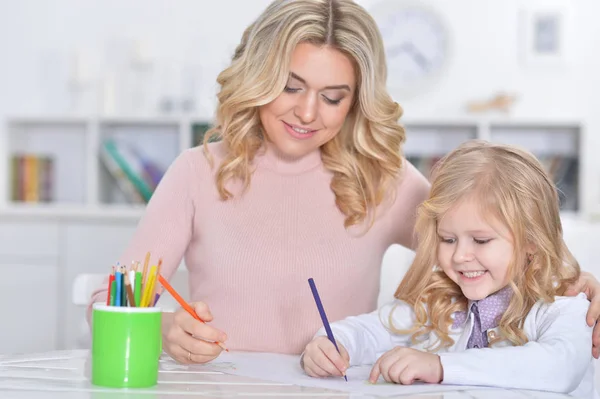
(149,286)
(151,291)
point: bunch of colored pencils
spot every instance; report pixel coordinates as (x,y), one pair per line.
(134,287)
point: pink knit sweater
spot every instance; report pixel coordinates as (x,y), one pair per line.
(249,258)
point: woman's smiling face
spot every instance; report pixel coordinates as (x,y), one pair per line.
(314,104)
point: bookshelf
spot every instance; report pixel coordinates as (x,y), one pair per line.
(427,142)
(80,182)
(559,144)
(83,187)
(558,147)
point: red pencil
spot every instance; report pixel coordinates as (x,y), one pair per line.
(111,278)
(184,304)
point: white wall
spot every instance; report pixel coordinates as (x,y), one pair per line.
(484,47)
(37,37)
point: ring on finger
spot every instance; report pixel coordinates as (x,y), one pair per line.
(189,356)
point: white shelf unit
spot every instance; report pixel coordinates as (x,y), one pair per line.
(559,144)
(427,142)
(559,149)
(84,189)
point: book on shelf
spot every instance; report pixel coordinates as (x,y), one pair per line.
(136,175)
(32,178)
(564,171)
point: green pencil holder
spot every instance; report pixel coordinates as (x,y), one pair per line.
(126,346)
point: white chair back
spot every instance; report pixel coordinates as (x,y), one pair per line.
(83,287)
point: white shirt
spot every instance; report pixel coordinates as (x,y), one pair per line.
(557,358)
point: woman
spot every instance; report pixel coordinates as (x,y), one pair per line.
(307,181)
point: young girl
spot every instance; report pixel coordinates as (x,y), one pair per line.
(482,302)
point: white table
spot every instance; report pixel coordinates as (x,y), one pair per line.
(64,375)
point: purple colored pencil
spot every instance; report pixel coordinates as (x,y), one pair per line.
(156,298)
(315,293)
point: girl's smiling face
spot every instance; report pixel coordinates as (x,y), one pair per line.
(474,252)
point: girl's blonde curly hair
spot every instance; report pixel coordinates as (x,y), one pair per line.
(511,186)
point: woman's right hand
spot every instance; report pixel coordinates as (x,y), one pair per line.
(188,340)
(321,359)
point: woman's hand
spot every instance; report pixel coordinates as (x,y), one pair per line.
(188,340)
(590,286)
(406,365)
(321,359)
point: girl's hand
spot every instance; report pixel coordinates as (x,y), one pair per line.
(188,340)
(321,359)
(406,365)
(590,286)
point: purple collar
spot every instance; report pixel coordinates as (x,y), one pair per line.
(491,309)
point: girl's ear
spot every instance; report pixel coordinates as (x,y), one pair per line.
(529,258)
(530,249)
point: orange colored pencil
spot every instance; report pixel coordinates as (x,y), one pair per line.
(184,304)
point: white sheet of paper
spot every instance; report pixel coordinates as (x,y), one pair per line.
(286,369)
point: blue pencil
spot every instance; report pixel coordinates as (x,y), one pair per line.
(315,293)
(119,287)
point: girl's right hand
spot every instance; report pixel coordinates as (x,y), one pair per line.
(321,359)
(188,340)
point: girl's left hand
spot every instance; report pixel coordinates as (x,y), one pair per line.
(406,365)
(588,284)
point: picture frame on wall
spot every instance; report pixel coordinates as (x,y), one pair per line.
(543,37)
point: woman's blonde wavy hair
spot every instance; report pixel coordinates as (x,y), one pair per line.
(365,157)
(511,186)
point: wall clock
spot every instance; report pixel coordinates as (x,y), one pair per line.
(417,45)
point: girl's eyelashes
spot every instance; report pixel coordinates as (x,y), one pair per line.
(480,241)
(288,89)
